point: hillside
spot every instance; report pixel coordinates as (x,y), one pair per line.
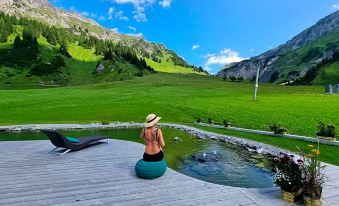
(41,45)
(311,57)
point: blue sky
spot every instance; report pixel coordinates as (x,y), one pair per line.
(209,33)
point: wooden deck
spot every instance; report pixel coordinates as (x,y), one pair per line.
(104,175)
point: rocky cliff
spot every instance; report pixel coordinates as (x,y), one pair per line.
(294,58)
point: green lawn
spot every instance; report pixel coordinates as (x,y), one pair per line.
(81,54)
(328,74)
(169,67)
(177,98)
(181,99)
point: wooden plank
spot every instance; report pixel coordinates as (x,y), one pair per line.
(104,174)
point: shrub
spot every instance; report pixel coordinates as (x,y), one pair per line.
(277,129)
(331,131)
(288,173)
(139,73)
(240,79)
(198,120)
(313,173)
(210,121)
(324,131)
(274,76)
(226,123)
(224,78)
(233,78)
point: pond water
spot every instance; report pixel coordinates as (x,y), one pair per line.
(208,160)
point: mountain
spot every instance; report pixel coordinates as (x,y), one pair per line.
(43,11)
(44,45)
(311,57)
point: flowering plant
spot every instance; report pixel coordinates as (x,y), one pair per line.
(313,173)
(288,173)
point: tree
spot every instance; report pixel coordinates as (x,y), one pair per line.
(58,61)
(17,42)
(240,78)
(64,51)
(274,76)
(51,38)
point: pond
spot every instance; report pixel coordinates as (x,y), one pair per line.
(208,160)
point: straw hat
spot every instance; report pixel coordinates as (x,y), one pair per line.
(151,120)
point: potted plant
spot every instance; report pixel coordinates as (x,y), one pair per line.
(226,123)
(313,177)
(210,121)
(288,177)
(277,129)
(326,132)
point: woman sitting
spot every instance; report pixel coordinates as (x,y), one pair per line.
(154,140)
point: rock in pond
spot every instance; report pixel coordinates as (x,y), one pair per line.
(207,157)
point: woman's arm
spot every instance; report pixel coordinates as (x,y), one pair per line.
(142,134)
(161,138)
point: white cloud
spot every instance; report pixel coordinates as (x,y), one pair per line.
(102,18)
(110,12)
(335,6)
(132,28)
(165,3)
(139,8)
(194,47)
(226,56)
(120,15)
(113,14)
(208,55)
(140,35)
(115,30)
(82,13)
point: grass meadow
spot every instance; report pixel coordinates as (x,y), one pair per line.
(176,98)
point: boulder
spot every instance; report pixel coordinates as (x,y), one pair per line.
(207,157)
(99,68)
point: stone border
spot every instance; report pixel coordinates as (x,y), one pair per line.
(250,145)
(290,136)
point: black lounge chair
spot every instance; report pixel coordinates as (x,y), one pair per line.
(60,140)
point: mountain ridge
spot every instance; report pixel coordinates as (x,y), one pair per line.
(270,62)
(44,11)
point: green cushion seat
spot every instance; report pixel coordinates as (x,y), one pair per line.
(73,139)
(150,170)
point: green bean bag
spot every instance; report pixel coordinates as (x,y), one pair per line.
(150,170)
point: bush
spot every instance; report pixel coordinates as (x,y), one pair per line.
(210,121)
(277,129)
(224,78)
(198,120)
(313,173)
(324,131)
(56,65)
(233,78)
(274,76)
(139,73)
(288,173)
(331,131)
(240,79)
(226,123)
